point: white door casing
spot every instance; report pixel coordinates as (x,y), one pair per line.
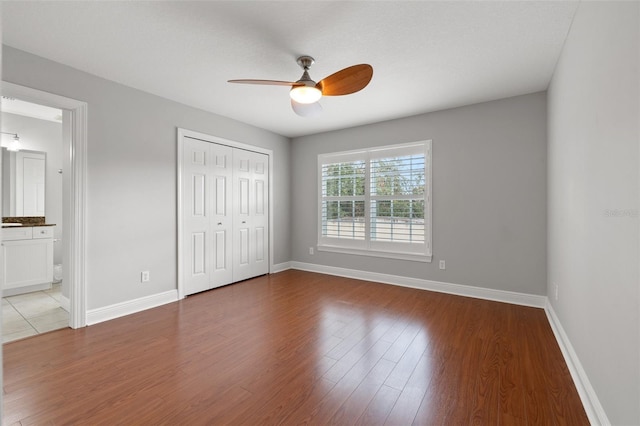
(75,133)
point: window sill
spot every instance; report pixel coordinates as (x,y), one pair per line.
(414,257)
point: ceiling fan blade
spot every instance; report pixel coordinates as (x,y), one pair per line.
(346,81)
(265,82)
(306,110)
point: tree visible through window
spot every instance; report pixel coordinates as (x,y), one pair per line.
(377,200)
(343,200)
(397,198)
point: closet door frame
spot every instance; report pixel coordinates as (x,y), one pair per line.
(183,133)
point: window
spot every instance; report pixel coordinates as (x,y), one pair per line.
(377,202)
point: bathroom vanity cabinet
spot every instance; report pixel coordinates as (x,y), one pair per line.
(27,256)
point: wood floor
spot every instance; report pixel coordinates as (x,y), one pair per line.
(298,347)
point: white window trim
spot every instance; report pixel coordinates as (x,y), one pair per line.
(364,248)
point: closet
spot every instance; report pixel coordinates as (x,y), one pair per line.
(224,217)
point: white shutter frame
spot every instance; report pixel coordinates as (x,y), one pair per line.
(421,252)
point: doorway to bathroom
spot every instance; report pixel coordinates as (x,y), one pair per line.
(34,298)
(68,171)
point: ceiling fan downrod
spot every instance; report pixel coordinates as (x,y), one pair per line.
(305,62)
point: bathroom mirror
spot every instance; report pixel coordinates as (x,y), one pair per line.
(23,182)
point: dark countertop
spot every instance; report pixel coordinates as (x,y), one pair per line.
(30,225)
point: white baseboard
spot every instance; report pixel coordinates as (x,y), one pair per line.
(65,303)
(280,267)
(26,289)
(441,287)
(106,313)
(590,401)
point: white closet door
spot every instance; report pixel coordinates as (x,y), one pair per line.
(224,215)
(221,171)
(196,211)
(207,215)
(250,202)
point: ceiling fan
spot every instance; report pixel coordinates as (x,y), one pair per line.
(305,93)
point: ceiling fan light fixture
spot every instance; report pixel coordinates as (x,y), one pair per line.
(305,94)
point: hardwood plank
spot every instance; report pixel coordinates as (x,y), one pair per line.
(552,392)
(380,406)
(410,399)
(371,331)
(512,390)
(271,408)
(442,396)
(485,407)
(367,351)
(354,406)
(402,343)
(298,347)
(322,412)
(407,364)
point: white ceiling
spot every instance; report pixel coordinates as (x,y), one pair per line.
(426,55)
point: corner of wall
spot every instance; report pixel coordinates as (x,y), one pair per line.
(593,408)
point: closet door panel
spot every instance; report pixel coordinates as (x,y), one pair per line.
(251,205)
(198,195)
(220,245)
(243,247)
(243,194)
(195,209)
(260,213)
(241,218)
(260,239)
(199,250)
(221,195)
(222,218)
(260,194)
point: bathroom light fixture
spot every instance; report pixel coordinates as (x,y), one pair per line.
(14,145)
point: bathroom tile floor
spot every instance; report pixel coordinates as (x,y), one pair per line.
(29,314)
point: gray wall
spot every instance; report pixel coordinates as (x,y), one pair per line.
(593,201)
(489,193)
(44,136)
(131,182)
(2,274)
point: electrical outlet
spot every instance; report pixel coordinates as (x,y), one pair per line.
(556,291)
(144,277)
(442,265)
(311,250)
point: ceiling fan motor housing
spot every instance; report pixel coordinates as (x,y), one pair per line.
(305,62)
